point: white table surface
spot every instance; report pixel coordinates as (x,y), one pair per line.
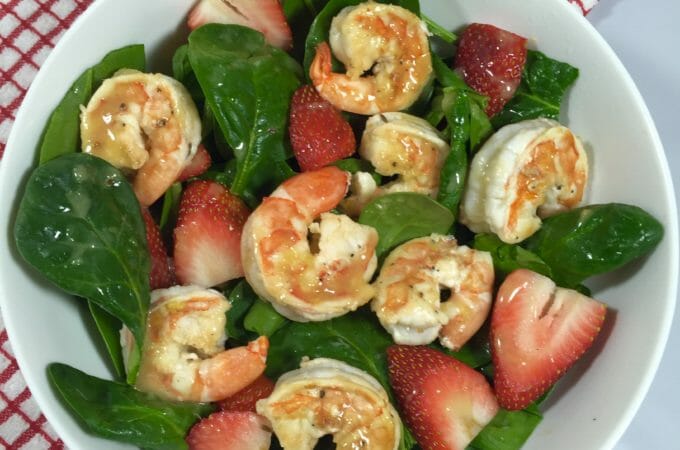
(646,35)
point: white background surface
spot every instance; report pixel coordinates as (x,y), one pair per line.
(646,35)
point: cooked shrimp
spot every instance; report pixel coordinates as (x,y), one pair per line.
(431,287)
(401,145)
(387,40)
(527,170)
(144,124)
(326,396)
(183,357)
(309,281)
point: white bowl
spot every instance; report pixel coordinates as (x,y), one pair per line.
(604,107)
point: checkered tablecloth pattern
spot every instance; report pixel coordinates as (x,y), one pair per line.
(29,29)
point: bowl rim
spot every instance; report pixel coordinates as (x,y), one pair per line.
(35,377)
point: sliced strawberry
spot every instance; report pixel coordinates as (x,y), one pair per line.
(491,61)
(245,399)
(265,16)
(198,164)
(230,430)
(318,132)
(162,274)
(444,402)
(537,332)
(208,235)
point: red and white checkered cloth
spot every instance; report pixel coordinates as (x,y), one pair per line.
(28,31)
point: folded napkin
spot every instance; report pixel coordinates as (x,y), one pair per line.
(29,29)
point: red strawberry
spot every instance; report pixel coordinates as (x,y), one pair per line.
(444,402)
(537,332)
(491,61)
(245,399)
(198,164)
(208,235)
(318,132)
(230,430)
(162,274)
(265,16)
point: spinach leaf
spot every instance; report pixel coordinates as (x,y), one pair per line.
(117,411)
(80,225)
(544,83)
(401,216)
(507,430)
(263,319)
(594,239)
(356,338)
(109,329)
(475,124)
(184,73)
(454,170)
(476,353)
(468,126)
(354,165)
(241,298)
(62,132)
(248,85)
(318,31)
(170,208)
(300,14)
(509,257)
(439,31)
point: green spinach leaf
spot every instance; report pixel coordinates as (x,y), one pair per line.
(439,31)
(170,208)
(109,329)
(263,319)
(248,85)
(402,216)
(507,430)
(117,411)
(241,298)
(354,165)
(544,83)
(62,133)
(509,257)
(456,107)
(80,225)
(467,126)
(594,239)
(184,73)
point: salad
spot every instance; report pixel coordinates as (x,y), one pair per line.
(298,237)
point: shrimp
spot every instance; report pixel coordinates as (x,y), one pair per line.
(305,280)
(431,287)
(183,356)
(326,396)
(401,145)
(527,170)
(387,40)
(144,124)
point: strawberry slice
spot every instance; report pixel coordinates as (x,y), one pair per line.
(162,274)
(198,164)
(230,430)
(208,235)
(318,132)
(246,398)
(265,16)
(537,332)
(491,61)
(444,402)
